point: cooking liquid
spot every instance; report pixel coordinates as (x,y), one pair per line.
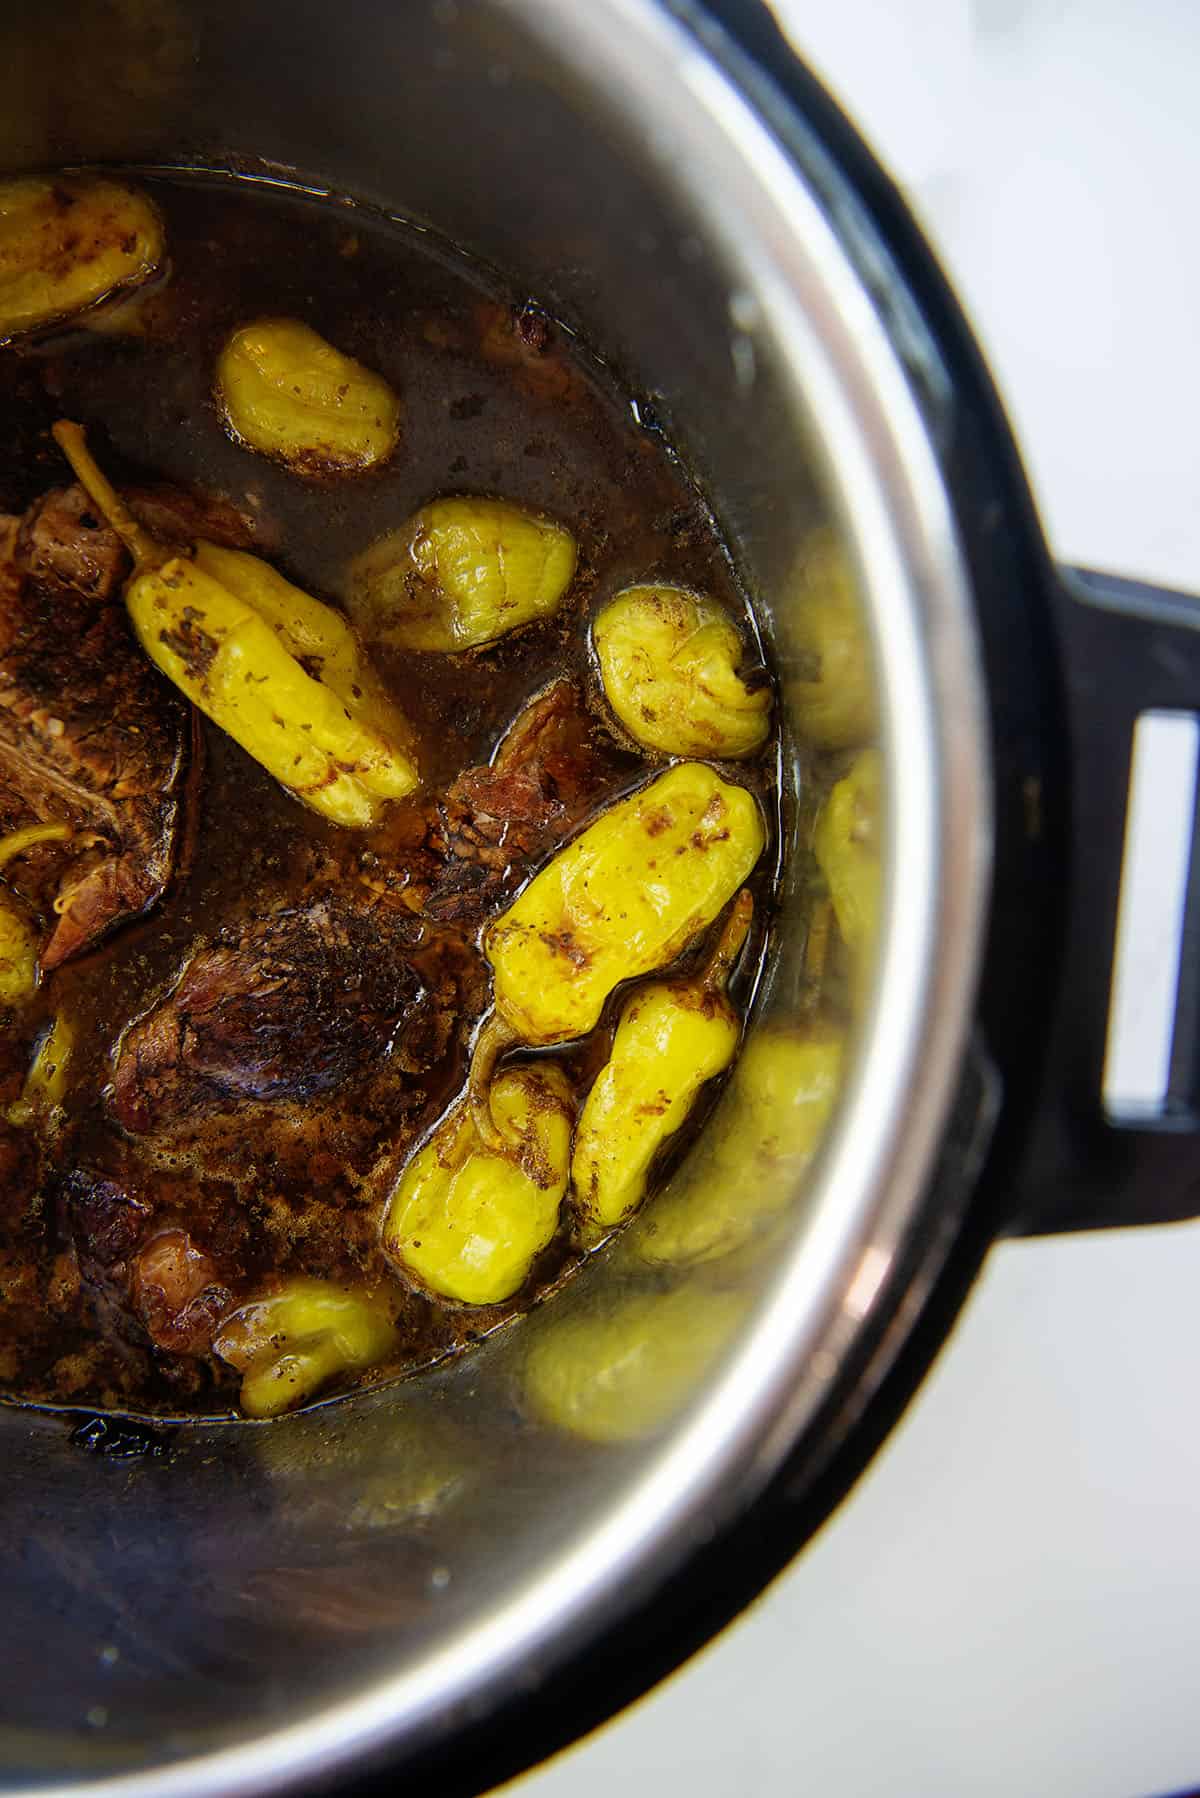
(496,400)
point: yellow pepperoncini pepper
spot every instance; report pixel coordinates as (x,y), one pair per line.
(672,1038)
(67,242)
(46,1082)
(231,634)
(669,660)
(846,842)
(286,392)
(18,954)
(615,1371)
(624,899)
(832,691)
(467,1218)
(318,637)
(289,1343)
(748,1164)
(459,574)
(19,942)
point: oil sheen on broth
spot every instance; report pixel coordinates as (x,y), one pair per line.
(296,1103)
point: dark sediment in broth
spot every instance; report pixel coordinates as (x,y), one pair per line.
(496,400)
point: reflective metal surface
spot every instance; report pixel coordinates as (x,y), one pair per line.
(256,1606)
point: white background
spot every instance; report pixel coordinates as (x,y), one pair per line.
(1009,1603)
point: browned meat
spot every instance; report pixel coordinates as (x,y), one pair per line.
(522,339)
(180,515)
(104,1220)
(287,1007)
(177,1294)
(159,1285)
(494,815)
(63,542)
(552,768)
(90,734)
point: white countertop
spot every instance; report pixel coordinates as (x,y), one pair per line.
(1009,1602)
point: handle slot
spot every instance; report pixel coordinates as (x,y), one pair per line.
(1150,1061)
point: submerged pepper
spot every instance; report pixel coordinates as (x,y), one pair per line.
(832,692)
(239,642)
(290,1343)
(624,899)
(616,1370)
(669,660)
(672,1038)
(46,1082)
(19,939)
(846,842)
(459,574)
(750,1162)
(467,1218)
(284,391)
(66,243)
(18,954)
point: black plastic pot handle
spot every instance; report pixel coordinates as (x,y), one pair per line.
(1126,649)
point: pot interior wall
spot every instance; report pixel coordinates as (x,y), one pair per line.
(163,1605)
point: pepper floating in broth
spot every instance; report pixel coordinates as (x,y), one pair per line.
(68,242)
(468,1216)
(285,392)
(623,900)
(220,627)
(289,1343)
(673,1037)
(460,574)
(670,662)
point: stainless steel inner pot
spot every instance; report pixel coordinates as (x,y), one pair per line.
(259,1607)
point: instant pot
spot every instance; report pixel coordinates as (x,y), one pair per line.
(423,1581)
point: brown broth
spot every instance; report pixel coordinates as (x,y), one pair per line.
(550,430)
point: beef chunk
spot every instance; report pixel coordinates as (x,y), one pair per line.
(551,769)
(90,733)
(285,1007)
(177,1294)
(147,1281)
(496,815)
(104,1219)
(181,515)
(64,543)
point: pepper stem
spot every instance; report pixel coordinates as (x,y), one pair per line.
(721,962)
(72,441)
(494,1038)
(18,841)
